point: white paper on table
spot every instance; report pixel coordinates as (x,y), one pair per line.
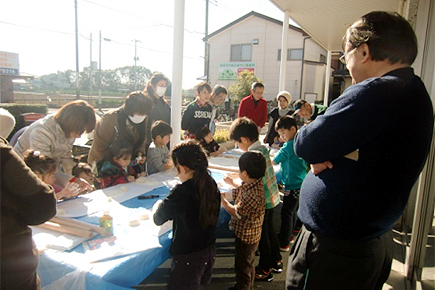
(126,191)
(129,240)
(48,239)
(231,163)
(85,204)
(105,199)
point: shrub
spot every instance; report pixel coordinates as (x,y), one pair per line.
(242,87)
(221,136)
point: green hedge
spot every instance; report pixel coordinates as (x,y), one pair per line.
(18,109)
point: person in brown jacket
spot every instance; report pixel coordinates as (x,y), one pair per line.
(25,200)
(129,122)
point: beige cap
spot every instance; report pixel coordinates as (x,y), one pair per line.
(286,95)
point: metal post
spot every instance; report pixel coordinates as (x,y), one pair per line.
(77,53)
(206,45)
(99,77)
(135,59)
(177,72)
(284,46)
(327,78)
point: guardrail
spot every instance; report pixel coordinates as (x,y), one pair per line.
(59,99)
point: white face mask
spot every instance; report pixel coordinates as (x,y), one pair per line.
(137,119)
(160,91)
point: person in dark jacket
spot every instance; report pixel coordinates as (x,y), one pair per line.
(198,113)
(284,99)
(348,206)
(156,88)
(25,200)
(194,207)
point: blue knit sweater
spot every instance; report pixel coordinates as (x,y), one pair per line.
(389,119)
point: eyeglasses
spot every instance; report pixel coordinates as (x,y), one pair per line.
(343,59)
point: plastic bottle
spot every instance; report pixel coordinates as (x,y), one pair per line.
(106,222)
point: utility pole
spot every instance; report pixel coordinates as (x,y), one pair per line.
(90,67)
(206,46)
(135,60)
(77,53)
(99,73)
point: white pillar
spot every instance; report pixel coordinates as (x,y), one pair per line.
(424,66)
(177,71)
(327,79)
(284,41)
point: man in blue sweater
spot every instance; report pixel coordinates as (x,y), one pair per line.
(366,151)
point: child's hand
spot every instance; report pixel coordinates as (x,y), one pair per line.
(222,149)
(82,185)
(70,190)
(320,167)
(169,164)
(156,206)
(229,180)
(131,178)
(233,175)
(141,174)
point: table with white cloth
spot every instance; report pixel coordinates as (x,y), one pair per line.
(129,256)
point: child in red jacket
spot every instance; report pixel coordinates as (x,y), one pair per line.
(116,167)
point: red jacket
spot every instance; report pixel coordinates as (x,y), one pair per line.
(110,174)
(257,114)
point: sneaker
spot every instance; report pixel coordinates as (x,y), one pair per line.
(261,275)
(278,267)
(284,249)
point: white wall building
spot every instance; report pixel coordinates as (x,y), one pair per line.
(253,42)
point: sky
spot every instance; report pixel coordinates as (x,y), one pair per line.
(43,32)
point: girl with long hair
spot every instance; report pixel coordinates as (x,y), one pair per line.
(46,169)
(194,207)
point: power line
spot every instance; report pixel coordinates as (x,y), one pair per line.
(140,17)
(37,28)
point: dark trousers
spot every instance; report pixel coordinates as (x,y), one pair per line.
(288,218)
(189,271)
(269,245)
(336,264)
(244,265)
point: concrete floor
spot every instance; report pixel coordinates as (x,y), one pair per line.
(224,277)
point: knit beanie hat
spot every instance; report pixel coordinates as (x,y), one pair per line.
(286,95)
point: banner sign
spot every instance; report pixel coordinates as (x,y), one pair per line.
(231,70)
(9,64)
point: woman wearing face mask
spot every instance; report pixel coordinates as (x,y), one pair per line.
(156,89)
(128,122)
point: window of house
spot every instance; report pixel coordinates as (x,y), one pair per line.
(241,52)
(322,58)
(292,54)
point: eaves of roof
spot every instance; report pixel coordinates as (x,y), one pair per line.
(252,13)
